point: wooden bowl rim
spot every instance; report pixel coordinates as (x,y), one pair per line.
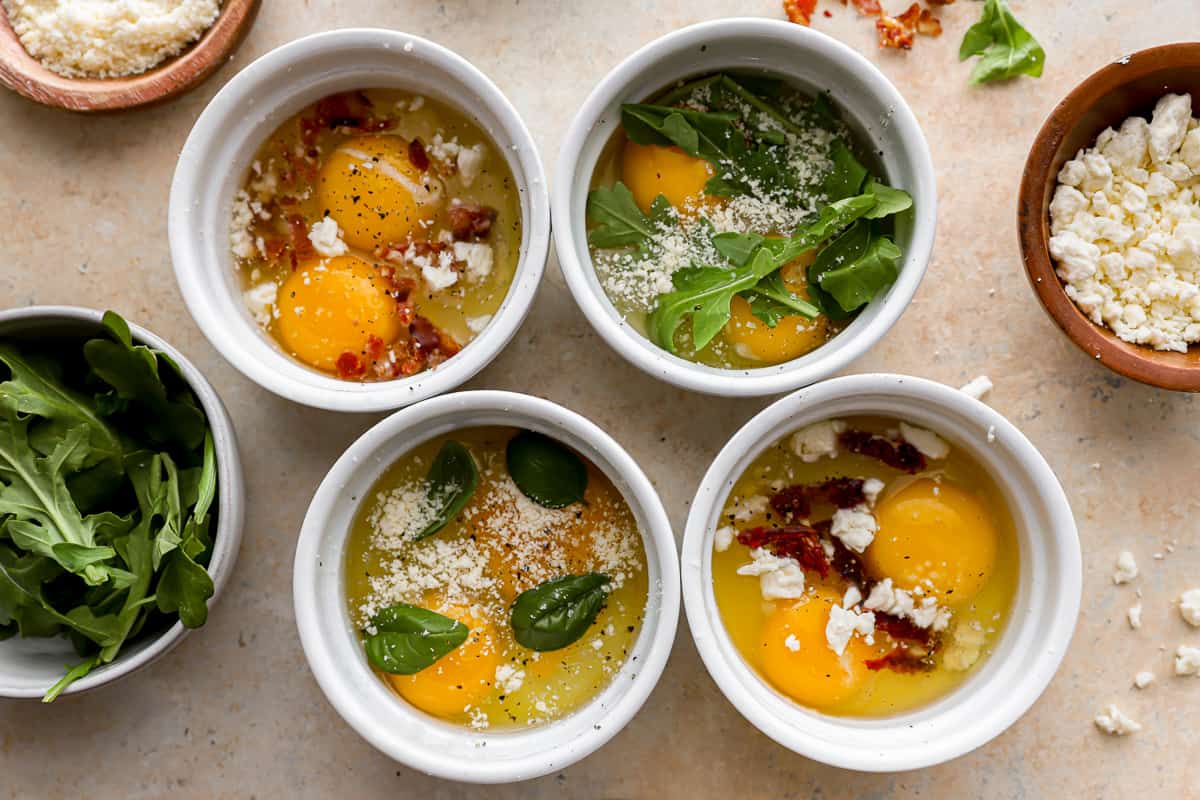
(26,76)
(1133,361)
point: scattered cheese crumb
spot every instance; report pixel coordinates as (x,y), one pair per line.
(855,527)
(1187,660)
(477,256)
(1189,606)
(326,237)
(928,443)
(965,647)
(852,597)
(1112,721)
(477,324)
(844,623)
(792,643)
(261,301)
(1126,568)
(779,578)
(723,538)
(1134,614)
(470,162)
(978,387)
(872,487)
(1143,679)
(899,602)
(818,440)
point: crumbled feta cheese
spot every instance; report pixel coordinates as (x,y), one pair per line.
(1143,679)
(852,597)
(1134,614)
(477,324)
(745,508)
(965,647)
(1189,606)
(856,527)
(470,162)
(326,237)
(261,301)
(1126,568)
(1113,721)
(900,603)
(977,387)
(928,443)
(872,487)
(844,623)
(477,256)
(792,643)
(817,440)
(1187,660)
(723,538)
(779,578)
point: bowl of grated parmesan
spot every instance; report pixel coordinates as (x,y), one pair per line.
(418,725)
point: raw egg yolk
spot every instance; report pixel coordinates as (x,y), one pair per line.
(458,679)
(330,307)
(792,336)
(373,191)
(936,536)
(650,170)
(796,657)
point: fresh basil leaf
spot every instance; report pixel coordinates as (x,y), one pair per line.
(737,247)
(408,639)
(618,220)
(451,481)
(556,613)
(888,201)
(845,178)
(545,470)
(1005,47)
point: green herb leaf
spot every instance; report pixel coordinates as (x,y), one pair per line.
(707,135)
(556,613)
(451,481)
(737,247)
(1005,48)
(888,201)
(545,470)
(770,300)
(619,222)
(854,268)
(408,639)
(184,586)
(845,178)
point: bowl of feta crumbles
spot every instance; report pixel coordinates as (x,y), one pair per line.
(1109,219)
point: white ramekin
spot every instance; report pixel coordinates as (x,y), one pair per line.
(219,151)
(810,60)
(1038,628)
(331,641)
(28,667)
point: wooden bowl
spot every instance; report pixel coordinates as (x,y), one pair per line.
(25,75)
(1128,87)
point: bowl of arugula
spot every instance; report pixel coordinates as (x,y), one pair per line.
(121,499)
(743,207)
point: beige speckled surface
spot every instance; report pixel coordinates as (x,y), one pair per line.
(234,712)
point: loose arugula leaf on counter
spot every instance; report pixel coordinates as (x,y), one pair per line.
(545,470)
(407,639)
(1005,48)
(556,613)
(451,481)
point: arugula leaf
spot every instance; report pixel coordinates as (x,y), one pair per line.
(737,247)
(1005,48)
(845,178)
(853,269)
(184,586)
(770,300)
(888,201)
(619,221)
(556,613)
(451,481)
(700,134)
(408,638)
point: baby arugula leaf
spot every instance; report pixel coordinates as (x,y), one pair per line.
(556,613)
(770,300)
(619,222)
(451,481)
(845,178)
(852,269)
(701,134)
(408,639)
(183,585)
(888,201)
(1005,48)
(737,247)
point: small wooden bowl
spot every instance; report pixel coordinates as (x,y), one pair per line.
(1120,90)
(26,76)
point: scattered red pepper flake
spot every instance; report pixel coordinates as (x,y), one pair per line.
(828,13)
(892,33)
(898,455)
(795,541)
(800,11)
(417,155)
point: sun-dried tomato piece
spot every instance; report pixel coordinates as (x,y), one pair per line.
(469,221)
(928,24)
(795,501)
(349,365)
(903,629)
(800,11)
(910,16)
(898,455)
(892,33)
(901,660)
(417,155)
(845,561)
(795,541)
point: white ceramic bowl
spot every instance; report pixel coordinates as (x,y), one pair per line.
(868,102)
(219,151)
(28,667)
(331,641)
(1039,625)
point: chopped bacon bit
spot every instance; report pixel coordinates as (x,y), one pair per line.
(928,24)
(898,455)
(417,155)
(909,18)
(939,2)
(869,8)
(374,349)
(273,248)
(470,221)
(301,246)
(901,660)
(795,501)
(800,11)
(345,110)
(892,33)
(406,311)
(903,629)
(349,365)
(797,541)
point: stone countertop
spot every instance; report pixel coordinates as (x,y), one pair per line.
(234,711)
